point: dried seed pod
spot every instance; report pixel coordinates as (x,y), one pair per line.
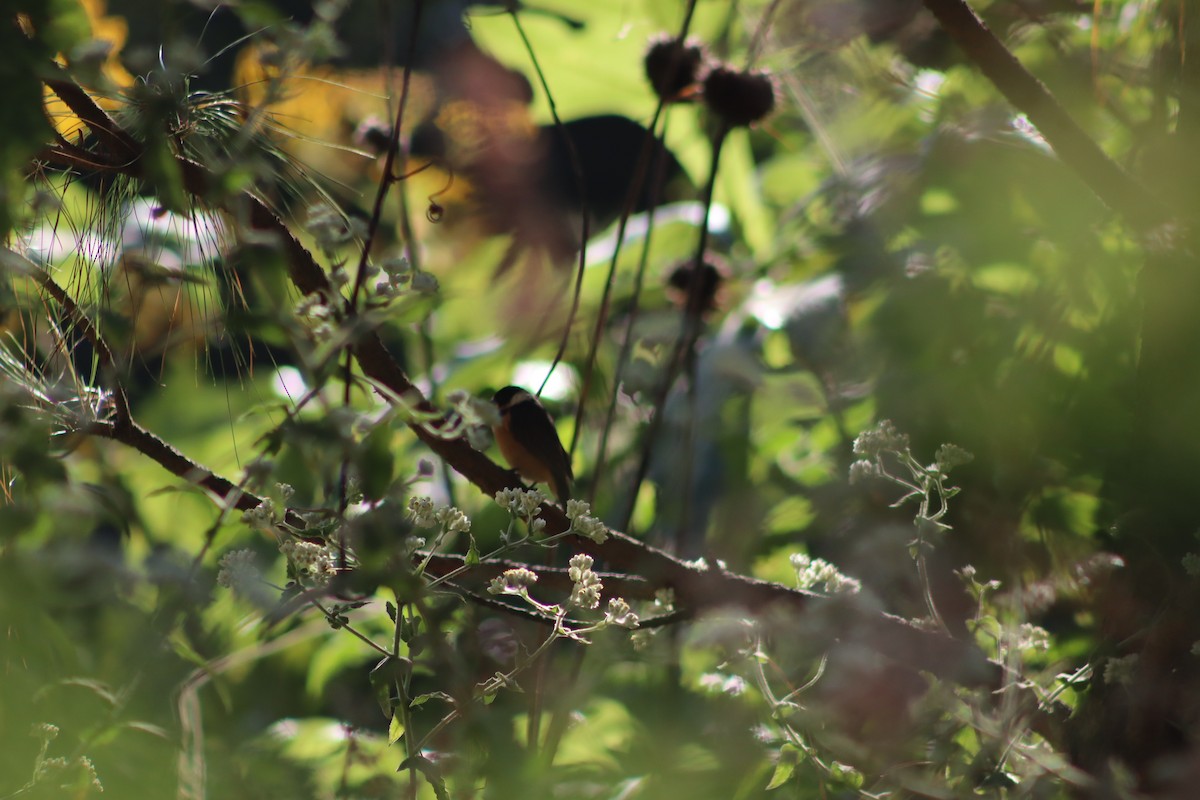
(672,66)
(373,135)
(703,297)
(739,98)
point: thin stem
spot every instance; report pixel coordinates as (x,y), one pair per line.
(350,628)
(685,343)
(581,186)
(394,153)
(639,282)
(630,198)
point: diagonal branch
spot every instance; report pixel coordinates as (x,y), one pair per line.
(120,144)
(1115,187)
(84,324)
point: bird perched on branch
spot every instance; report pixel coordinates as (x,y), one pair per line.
(529,441)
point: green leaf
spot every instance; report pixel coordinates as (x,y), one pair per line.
(384,677)
(376,462)
(422,699)
(429,772)
(335,654)
(395,729)
(846,775)
(790,757)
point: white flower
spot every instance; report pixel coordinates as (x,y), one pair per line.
(453,519)
(619,613)
(817,572)
(585,593)
(513,581)
(583,523)
(883,437)
(422,512)
(1121,670)
(523,503)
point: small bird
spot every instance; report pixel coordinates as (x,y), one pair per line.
(529,441)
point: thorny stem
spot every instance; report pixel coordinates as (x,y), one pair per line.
(403,706)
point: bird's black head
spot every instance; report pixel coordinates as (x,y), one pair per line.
(510,395)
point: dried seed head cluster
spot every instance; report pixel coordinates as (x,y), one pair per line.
(738,97)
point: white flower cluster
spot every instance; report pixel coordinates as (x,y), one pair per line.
(237,570)
(392,276)
(1121,670)
(453,520)
(524,504)
(313,564)
(424,514)
(719,683)
(812,573)
(882,438)
(263,517)
(863,469)
(583,523)
(315,315)
(949,456)
(1032,637)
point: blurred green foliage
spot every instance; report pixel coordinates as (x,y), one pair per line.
(896,243)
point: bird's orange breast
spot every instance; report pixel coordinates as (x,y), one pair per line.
(527,464)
